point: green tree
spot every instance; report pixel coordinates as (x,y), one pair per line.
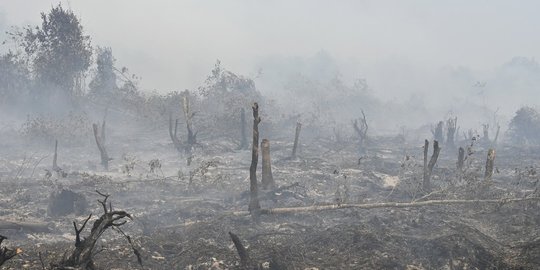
(103,82)
(525,126)
(59,52)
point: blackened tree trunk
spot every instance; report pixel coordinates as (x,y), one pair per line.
(433,160)
(254,206)
(296,136)
(101,147)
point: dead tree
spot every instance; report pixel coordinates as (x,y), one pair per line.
(361,130)
(245,261)
(496,135)
(55,166)
(82,256)
(243,133)
(461,159)
(267,178)
(485,138)
(188,114)
(490,161)
(103,138)
(254,206)
(438,132)
(451,131)
(296,136)
(173,128)
(7,253)
(101,146)
(428,170)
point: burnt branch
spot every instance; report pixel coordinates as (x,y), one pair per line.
(7,253)
(242,251)
(82,255)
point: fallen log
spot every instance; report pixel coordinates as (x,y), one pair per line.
(314,208)
(35,227)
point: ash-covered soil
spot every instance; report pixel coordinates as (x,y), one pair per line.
(182,215)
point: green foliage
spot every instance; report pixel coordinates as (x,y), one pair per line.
(14,79)
(104,80)
(58,51)
(525,126)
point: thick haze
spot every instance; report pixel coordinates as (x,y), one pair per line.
(402,48)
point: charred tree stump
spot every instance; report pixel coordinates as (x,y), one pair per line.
(426,185)
(82,255)
(254,206)
(296,136)
(361,129)
(490,162)
(243,133)
(451,131)
(172,133)
(101,146)
(188,114)
(245,261)
(7,253)
(267,178)
(438,132)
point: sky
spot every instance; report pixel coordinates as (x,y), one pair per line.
(398,46)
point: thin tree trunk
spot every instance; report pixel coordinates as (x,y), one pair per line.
(172,133)
(431,164)
(244,143)
(425,177)
(267,179)
(296,136)
(490,161)
(461,159)
(103,152)
(254,206)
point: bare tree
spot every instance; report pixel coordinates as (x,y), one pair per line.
(438,132)
(485,138)
(361,130)
(244,143)
(267,178)
(173,128)
(451,131)
(254,206)
(490,162)
(296,136)
(428,170)
(188,114)
(101,147)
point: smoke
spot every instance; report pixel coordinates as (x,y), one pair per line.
(451,57)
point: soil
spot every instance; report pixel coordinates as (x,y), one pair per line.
(183,214)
